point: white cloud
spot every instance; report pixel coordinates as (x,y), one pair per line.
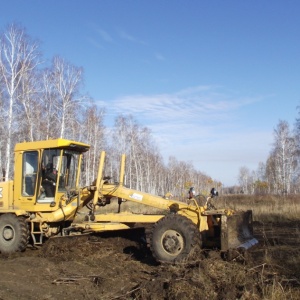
(201,125)
(105,35)
(95,43)
(159,56)
(200,103)
(100,36)
(126,36)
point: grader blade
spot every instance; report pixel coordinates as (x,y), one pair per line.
(237,231)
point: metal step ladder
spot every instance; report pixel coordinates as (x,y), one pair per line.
(37,233)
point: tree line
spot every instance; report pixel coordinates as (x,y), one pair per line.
(280,174)
(40,101)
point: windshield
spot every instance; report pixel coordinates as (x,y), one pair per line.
(60,167)
(68,170)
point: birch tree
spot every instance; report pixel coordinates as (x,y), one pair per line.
(284,155)
(18,57)
(94,135)
(66,80)
(244,179)
(30,110)
(262,185)
(143,162)
(125,140)
(1,136)
(50,120)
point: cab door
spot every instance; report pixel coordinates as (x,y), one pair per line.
(26,179)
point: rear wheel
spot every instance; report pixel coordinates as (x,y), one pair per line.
(14,233)
(173,237)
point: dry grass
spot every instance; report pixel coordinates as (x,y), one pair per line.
(271,273)
(268,208)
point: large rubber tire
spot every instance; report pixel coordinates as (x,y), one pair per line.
(173,237)
(14,233)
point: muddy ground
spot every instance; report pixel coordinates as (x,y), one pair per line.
(120,266)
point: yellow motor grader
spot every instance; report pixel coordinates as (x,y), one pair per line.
(44,199)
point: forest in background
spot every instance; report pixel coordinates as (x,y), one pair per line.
(40,102)
(280,174)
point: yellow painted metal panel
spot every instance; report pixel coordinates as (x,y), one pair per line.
(127,218)
(6,194)
(100,226)
(26,146)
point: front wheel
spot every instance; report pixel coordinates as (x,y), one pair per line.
(14,233)
(173,237)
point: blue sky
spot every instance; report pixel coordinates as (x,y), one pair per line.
(211,79)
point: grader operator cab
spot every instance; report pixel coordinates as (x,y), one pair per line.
(45,197)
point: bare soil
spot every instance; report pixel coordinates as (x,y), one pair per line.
(119,265)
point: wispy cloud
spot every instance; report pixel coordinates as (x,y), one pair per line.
(129,37)
(200,124)
(201,103)
(99,36)
(95,43)
(159,56)
(105,35)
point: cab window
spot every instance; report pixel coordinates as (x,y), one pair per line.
(50,166)
(68,171)
(29,173)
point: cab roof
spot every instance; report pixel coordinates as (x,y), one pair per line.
(57,143)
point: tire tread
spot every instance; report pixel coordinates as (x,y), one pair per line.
(177,221)
(21,239)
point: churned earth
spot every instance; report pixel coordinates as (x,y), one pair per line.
(119,265)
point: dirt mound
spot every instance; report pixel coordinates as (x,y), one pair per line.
(119,265)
